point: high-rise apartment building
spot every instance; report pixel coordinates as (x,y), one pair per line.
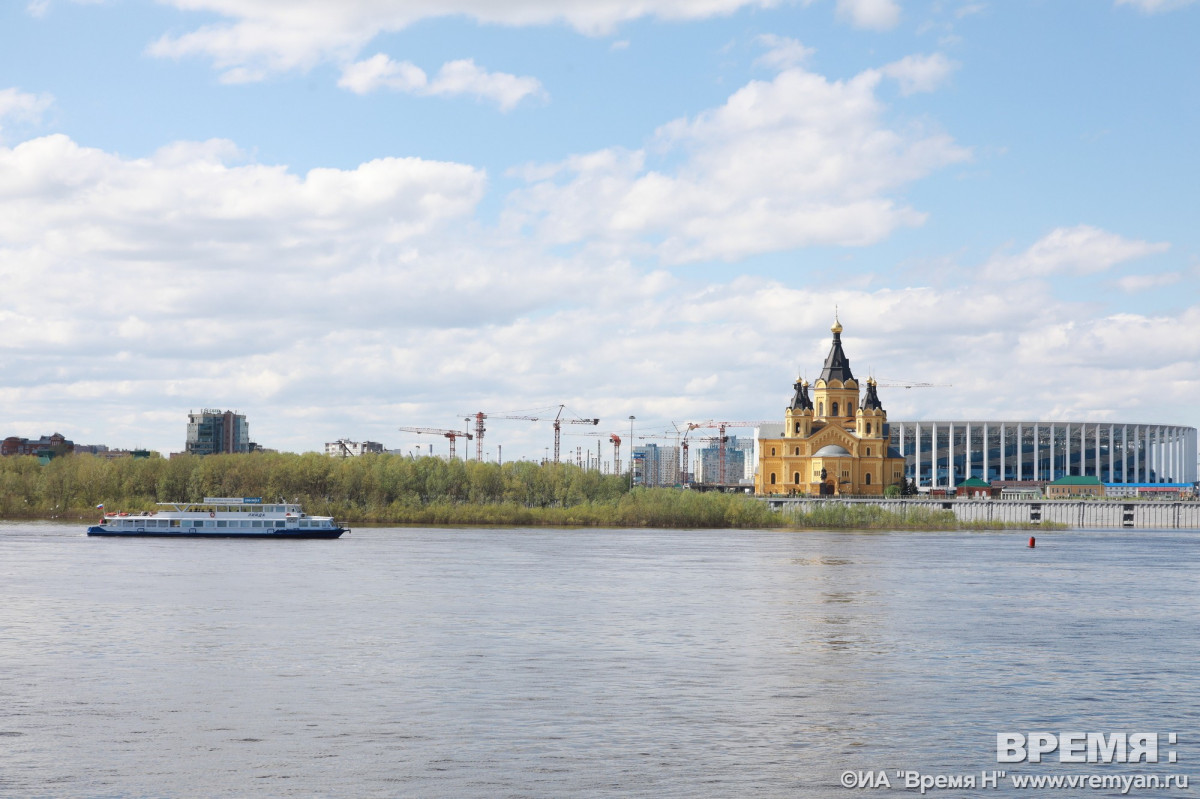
(213,431)
(655,465)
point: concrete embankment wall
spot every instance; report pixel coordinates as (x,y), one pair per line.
(1095,514)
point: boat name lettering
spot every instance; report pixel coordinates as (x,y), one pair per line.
(256,514)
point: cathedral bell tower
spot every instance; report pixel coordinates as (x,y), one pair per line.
(799,416)
(836,390)
(871,417)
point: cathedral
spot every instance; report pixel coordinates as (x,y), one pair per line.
(833,444)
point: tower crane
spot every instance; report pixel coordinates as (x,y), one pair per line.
(722,438)
(616,442)
(558,423)
(884,382)
(479,416)
(450,434)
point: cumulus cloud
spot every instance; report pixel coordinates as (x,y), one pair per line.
(871,14)
(258,37)
(782,52)
(1133,283)
(455,77)
(1078,250)
(1155,6)
(797,161)
(920,73)
(352,301)
(22,106)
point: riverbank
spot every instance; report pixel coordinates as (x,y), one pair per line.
(390,489)
(667,509)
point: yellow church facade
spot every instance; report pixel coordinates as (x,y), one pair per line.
(834,443)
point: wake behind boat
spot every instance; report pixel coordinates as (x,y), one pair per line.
(220,517)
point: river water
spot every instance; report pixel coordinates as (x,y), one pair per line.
(553,663)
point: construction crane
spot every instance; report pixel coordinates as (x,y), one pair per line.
(616,442)
(722,438)
(479,416)
(558,422)
(450,434)
(884,382)
(684,447)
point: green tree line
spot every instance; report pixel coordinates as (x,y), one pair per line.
(399,489)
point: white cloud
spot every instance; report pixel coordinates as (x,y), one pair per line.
(259,37)
(1155,6)
(871,14)
(455,77)
(920,73)
(350,302)
(1079,250)
(782,52)
(1133,283)
(22,106)
(793,162)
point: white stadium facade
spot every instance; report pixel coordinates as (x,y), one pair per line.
(942,454)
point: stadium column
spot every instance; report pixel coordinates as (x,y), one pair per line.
(950,482)
(933,458)
(1155,467)
(1050,476)
(1125,454)
(1139,449)
(1003,473)
(967,452)
(1067,451)
(1037,450)
(1112,434)
(985,453)
(1020,446)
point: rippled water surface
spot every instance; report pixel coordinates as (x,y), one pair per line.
(553,663)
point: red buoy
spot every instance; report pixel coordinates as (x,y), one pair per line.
(1032,542)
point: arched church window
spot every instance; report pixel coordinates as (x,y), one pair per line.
(797,451)
(772,478)
(772,452)
(868,428)
(834,407)
(868,478)
(821,408)
(796,478)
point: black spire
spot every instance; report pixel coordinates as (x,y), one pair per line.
(870,402)
(837,365)
(801,402)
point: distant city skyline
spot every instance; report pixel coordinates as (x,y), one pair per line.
(376,215)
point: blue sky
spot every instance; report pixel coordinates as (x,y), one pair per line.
(344,217)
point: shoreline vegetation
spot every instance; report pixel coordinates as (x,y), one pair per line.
(397,489)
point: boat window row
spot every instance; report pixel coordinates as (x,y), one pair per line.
(253,508)
(154,524)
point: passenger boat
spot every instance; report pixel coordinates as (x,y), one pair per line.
(220,517)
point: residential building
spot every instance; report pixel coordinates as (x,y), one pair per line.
(656,466)
(344,447)
(45,447)
(212,431)
(710,463)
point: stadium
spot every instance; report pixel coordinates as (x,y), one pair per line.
(942,454)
